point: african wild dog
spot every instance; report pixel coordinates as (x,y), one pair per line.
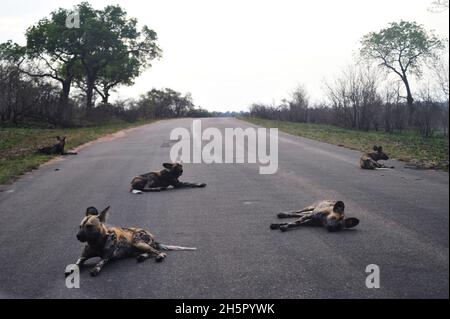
(57,148)
(112,243)
(329,214)
(158,181)
(370,160)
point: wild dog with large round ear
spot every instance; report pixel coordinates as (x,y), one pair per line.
(111,243)
(328,214)
(370,160)
(158,181)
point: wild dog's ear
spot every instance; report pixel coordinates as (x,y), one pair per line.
(91,211)
(168,165)
(339,207)
(351,222)
(58,138)
(375,148)
(104,214)
(380,149)
(63,138)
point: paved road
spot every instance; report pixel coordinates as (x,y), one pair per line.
(404,225)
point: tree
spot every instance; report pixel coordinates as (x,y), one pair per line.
(440,70)
(117,72)
(298,105)
(23,98)
(439,6)
(354,97)
(110,41)
(165,103)
(402,48)
(50,52)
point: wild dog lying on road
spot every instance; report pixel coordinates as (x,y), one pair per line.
(158,181)
(329,214)
(112,243)
(57,148)
(370,160)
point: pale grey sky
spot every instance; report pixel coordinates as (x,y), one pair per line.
(231,53)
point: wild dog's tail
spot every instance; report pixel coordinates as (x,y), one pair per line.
(168,247)
(146,190)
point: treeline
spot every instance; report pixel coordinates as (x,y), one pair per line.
(71,63)
(367,97)
(357,103)
(28,100)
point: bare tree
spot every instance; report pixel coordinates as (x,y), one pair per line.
(402,48)
(298,105)
(439,6)
(355,99)
(440,70)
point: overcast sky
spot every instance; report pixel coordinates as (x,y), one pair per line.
(232,53)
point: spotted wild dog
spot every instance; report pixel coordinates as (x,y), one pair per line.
(370,160)
(328,214)
(57,148)
(158,181)
(112,243)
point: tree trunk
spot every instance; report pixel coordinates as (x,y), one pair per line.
(90,93)
(63,101)
(409,100)
(105,96)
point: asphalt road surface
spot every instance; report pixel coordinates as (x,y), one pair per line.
(404,225)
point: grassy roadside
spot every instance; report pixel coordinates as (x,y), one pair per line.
(18,145)
(409,147)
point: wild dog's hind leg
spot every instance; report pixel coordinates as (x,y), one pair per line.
(303,220)
(277,225)
(296,214)
(154,189)
(285,226)
(306,220)
(147,252)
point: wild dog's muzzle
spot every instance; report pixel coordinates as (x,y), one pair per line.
(81,237)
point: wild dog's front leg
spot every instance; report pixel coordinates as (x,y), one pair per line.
(189,185)
(148,251)
(79,264)
(376,164)
(382,166)
(85,255)
(372,164)
(80,261)
(96,270)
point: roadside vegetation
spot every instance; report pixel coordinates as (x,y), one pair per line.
(60,80)
(419,151)
(63,75)
(396,93)
(18,145)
